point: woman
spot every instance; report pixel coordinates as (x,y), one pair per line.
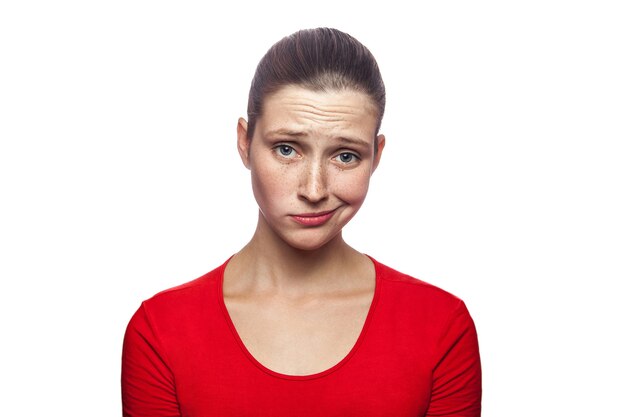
(298,323)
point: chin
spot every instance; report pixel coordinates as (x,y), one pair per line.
(308,243)
(308,248)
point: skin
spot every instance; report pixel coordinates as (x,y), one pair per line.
(298,294)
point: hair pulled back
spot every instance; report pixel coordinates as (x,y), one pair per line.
(321,59)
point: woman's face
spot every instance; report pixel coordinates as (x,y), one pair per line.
(311,158)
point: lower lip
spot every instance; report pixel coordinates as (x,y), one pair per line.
(313,220)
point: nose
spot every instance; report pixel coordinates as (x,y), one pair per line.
(313,183)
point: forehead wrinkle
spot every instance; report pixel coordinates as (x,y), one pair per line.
(303,132)
(318,115)
(320,119)
(336,126)
(324,110)
(293,110)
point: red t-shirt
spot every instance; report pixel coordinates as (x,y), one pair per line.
(417,355)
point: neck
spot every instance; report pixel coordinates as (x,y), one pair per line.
(268,263)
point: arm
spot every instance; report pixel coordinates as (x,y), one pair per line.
(148,387)
(456,390)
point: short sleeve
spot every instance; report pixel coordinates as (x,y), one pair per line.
(148,387)
(457,388)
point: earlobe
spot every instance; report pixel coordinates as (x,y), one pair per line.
(243,143)
(380,139)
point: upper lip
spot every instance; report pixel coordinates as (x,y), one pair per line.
(317,214)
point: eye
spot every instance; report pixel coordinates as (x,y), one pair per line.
(285,151)
(347,158)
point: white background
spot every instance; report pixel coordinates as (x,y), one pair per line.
(503,180)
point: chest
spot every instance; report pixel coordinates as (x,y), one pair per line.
(382,378)
(299,337)
(331,358)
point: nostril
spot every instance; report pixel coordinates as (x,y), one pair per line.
(313,195)
(313,192)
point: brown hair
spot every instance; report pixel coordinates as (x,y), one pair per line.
(321,59)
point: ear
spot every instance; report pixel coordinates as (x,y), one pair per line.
(243,143)
(381,145)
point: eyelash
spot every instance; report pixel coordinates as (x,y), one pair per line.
(292,153)
(279,148)
(352,156)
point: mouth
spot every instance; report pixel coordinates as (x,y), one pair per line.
(313,219)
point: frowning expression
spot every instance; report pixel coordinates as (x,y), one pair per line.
(311,159)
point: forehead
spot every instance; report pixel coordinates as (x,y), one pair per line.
(323,112)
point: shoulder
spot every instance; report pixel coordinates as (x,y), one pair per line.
(405,287)
(423,313)
(184,301)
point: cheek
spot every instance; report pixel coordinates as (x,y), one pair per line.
(269,184)
(353,188)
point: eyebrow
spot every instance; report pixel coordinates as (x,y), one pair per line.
(286,132)
(298,134)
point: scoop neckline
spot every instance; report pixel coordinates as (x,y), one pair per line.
(338,365)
